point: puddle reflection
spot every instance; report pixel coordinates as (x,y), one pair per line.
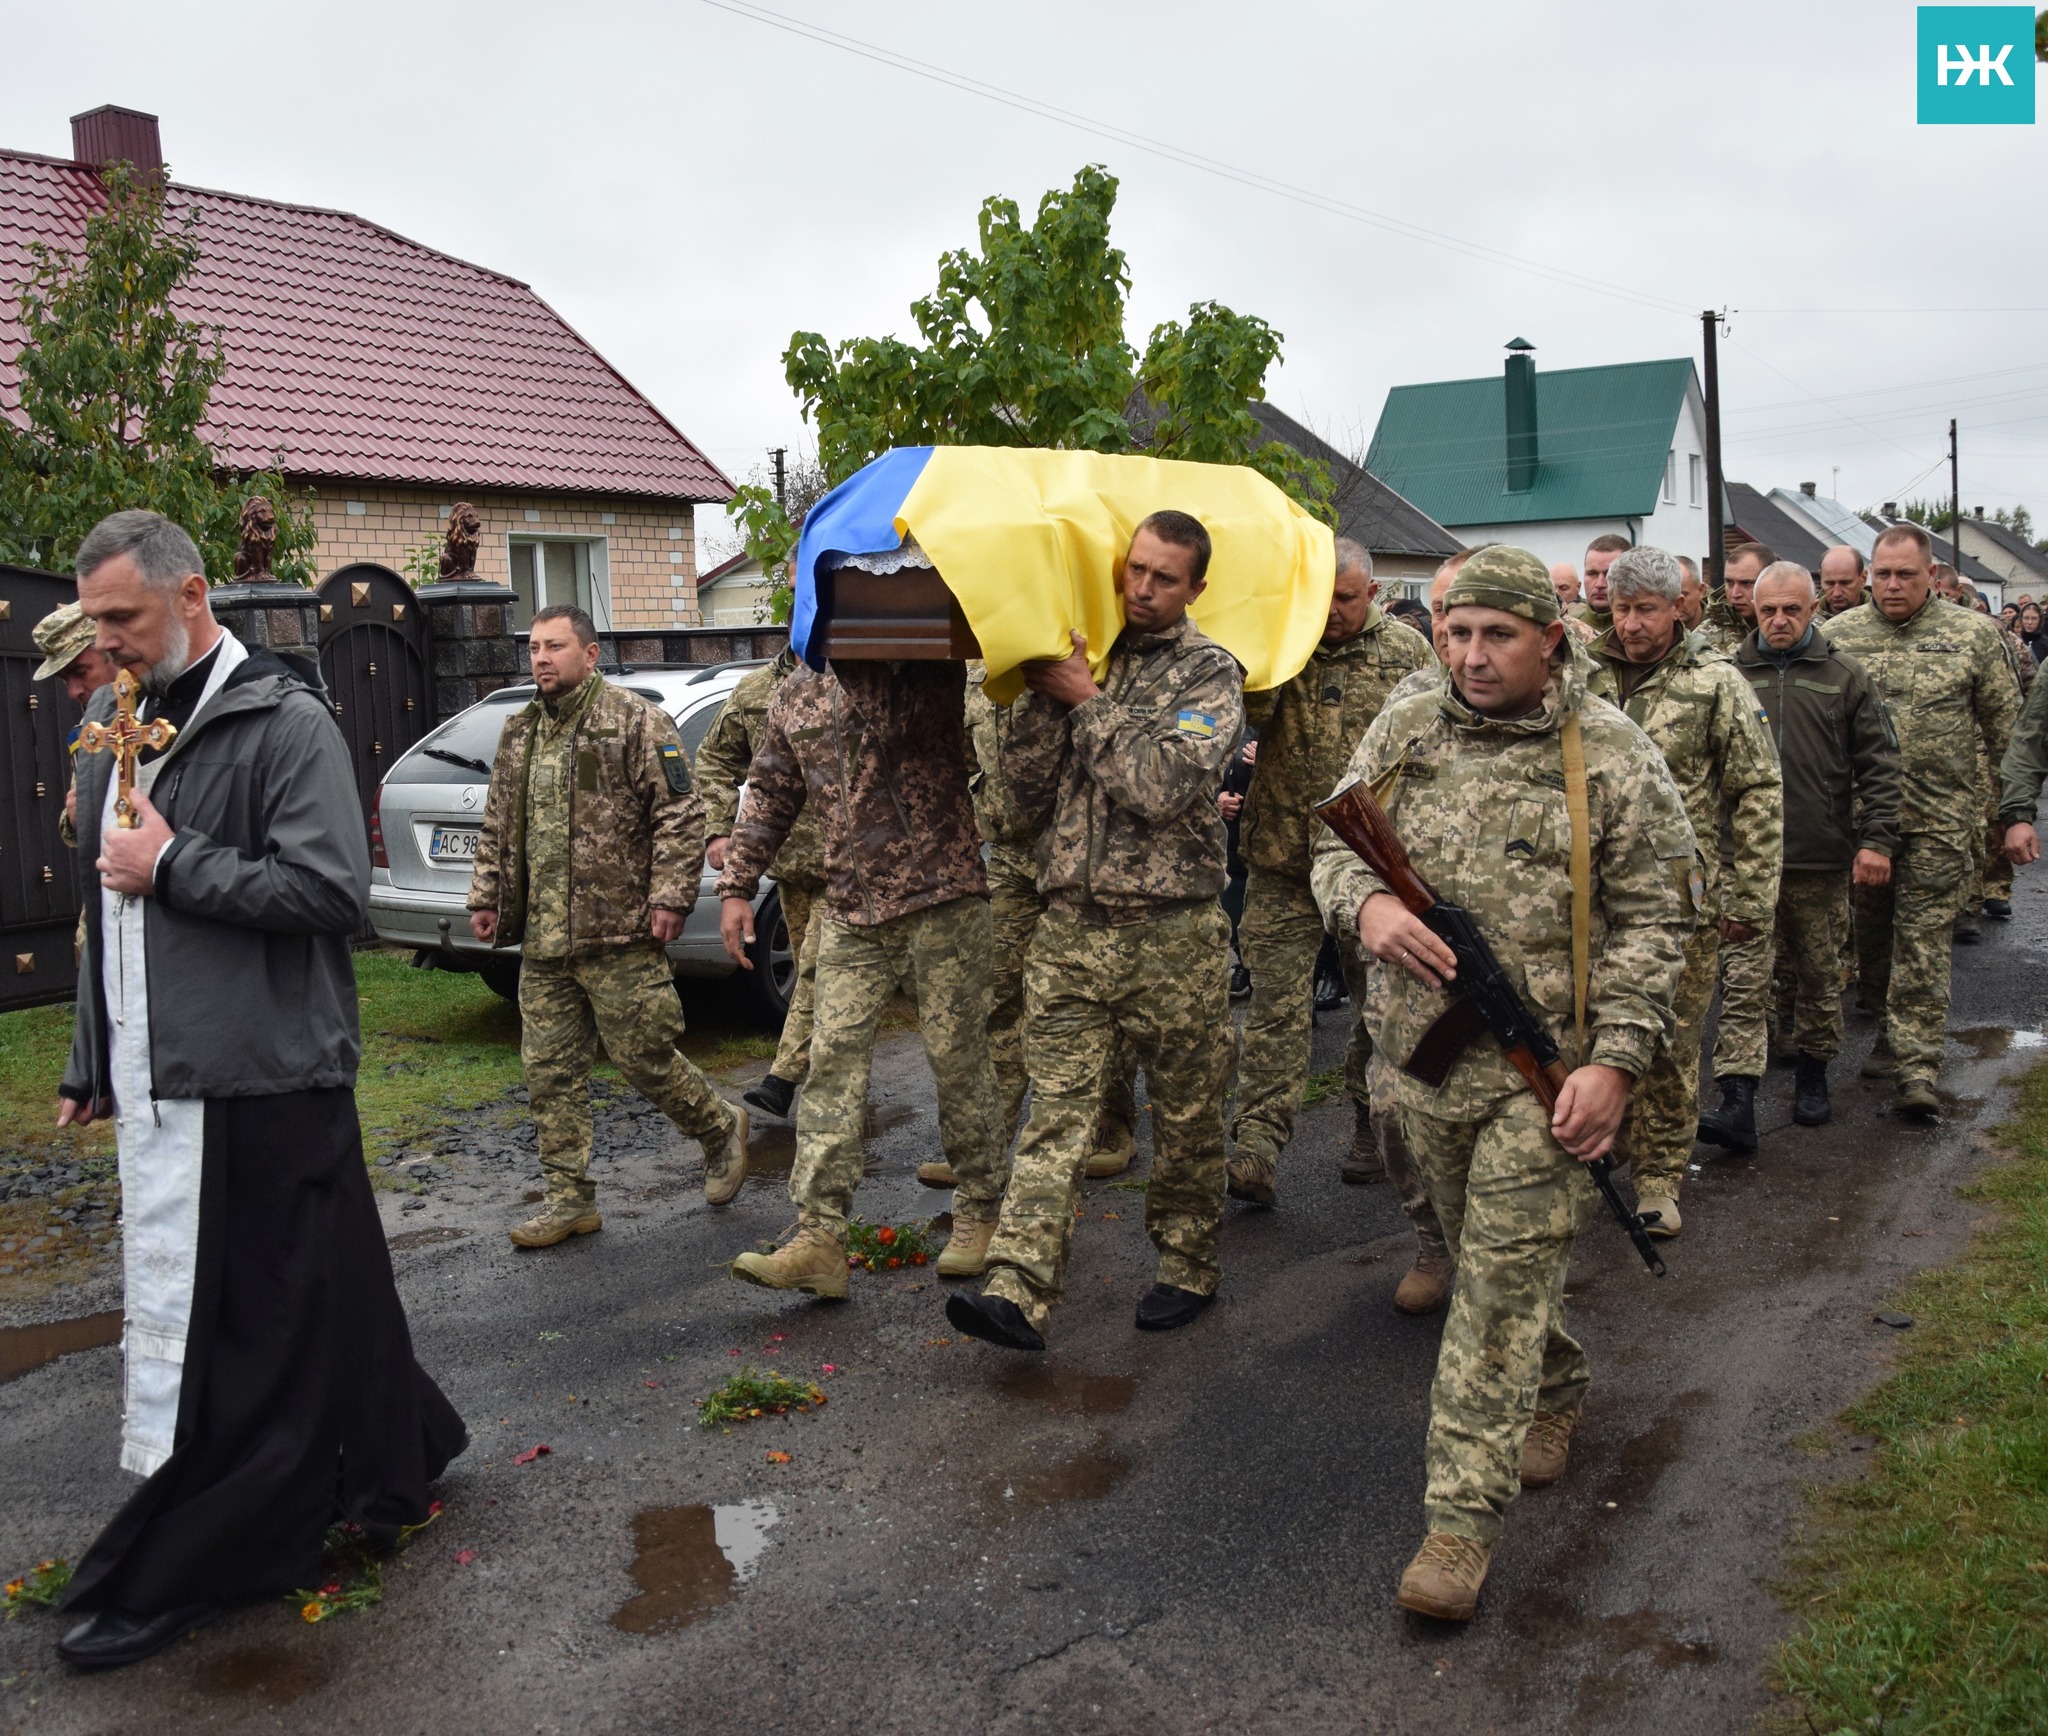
(690,1560)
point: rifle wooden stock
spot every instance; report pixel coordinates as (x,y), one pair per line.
(1355,815)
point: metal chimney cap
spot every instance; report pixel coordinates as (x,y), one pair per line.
(1520,344)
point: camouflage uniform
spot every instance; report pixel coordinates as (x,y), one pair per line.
(1481,805)
(1307,730)
(1133,944)
(722,760)
(591,824)
(878,751)
(2025,762)
(1706,722)
(1720,628)
(1951,695)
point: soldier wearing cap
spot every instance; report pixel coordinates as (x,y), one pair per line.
(65,638)
(1488,777)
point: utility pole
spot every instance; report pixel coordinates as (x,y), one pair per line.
(1710,323)
(1955,500)
(781,457)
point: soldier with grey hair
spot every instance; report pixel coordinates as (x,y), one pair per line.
(1701,714)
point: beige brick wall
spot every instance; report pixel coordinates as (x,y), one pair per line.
(651,546)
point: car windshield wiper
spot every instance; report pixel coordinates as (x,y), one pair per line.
(457,759)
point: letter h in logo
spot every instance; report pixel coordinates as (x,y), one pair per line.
(1976,66)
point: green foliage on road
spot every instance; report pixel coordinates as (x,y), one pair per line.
(114,389)
(1925,1585)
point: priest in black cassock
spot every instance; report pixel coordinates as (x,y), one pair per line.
(270,1384)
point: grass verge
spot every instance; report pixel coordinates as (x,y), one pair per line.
(1925,1585)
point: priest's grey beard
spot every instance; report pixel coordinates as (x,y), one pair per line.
(177,658)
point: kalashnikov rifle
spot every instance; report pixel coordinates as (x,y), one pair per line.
(1482,997)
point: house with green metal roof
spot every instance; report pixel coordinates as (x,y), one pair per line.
(1549,461)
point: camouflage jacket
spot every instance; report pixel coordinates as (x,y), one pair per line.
(1308,729)
(1836,750)
(1706,722)
(1720,628)
(1123,787)
(722,760)
(1600,620)
(988,733)
(635,825)
(1951,697)
(2026,761)
(1481,806)
(878,752)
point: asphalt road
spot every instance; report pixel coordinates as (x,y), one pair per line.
(1196,1531)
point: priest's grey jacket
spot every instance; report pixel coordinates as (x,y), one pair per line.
(252,991)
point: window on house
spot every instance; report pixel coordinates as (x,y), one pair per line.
(551,570)
(1696,472)
(1670,478)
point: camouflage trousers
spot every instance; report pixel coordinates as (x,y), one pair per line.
(1663,1116)
(800,912)
(1014,909)
(625,998)
(1511,1199)
(1813,925)
(1994,871)
(1391,1141)
(939,956)
(1903,940)
(1740,1040)
(1279,939)
(1163,986)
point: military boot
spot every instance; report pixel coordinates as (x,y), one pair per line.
(1917,1099)
(1883,1064)
(725,1169)
(1998,909)
(812,1260)
(563,1216)
(1810,1094)
(1734,1124)
(1112,1154)
(938,1174)
(771,1094)
(1426,1286)
(1251,1179)
(1665,1210)
(1968,930)
(1545,1449)
(1444,1578)
(965,1254)
(1362,1164)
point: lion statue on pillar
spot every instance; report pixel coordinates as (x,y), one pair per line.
(458,552)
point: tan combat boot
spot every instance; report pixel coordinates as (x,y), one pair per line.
(1668,1223)
(725,1170)
(1363,1164)
(1111,1157)
(1444,1578)
(938,1174)
(1545,1448)
(965,1254)
(562,1217)
(1916,1097)
(1425,1286)
(812,1260)
(1252,1179)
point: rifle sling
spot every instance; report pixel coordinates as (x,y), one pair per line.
(1573,742)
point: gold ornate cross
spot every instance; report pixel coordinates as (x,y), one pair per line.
(125,738)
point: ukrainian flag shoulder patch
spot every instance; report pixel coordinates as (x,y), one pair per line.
(675,767)
(1195,723)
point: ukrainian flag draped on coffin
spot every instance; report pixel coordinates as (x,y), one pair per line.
(1030,542)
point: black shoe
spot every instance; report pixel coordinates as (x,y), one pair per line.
(113,1637)
(1165,1306)
(992,1319)
(1969,931)
(1734,1123)
(1810,1093)
(1999,909)
(771,1094)
(1240,983)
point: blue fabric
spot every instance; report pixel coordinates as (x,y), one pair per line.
(856,518)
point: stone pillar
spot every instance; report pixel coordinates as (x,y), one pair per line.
(475,650)
(267,615)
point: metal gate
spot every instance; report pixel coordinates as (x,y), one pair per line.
(376,658)
(38,872)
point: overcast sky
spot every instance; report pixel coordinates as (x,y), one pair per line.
(687,186)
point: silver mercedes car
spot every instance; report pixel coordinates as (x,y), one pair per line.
(430,811)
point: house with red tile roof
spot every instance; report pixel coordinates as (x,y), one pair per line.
(393,381)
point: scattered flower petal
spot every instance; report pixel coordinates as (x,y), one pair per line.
(463,1557)
(778,1458)
(531,1453)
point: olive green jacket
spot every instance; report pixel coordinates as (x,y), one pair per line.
(2026,761)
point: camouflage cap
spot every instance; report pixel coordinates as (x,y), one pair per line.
(1506,578)
(60,636)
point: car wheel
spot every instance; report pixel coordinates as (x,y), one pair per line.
(771,984)
(501,977)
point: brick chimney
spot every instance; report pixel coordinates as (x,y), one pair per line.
(1808,489)
(117,135)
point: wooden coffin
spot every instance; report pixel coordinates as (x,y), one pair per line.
(908,615)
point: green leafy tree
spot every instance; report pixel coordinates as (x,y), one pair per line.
(1024,345)
(114,386)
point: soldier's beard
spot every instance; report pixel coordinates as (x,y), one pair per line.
(177,658)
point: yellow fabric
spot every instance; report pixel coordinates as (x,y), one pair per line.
(1030,542)
(1573,741)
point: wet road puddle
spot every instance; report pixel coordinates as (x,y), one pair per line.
(23,1349)
(771,1145)
(1067,1389)
(426,1238)
(1085,1476)
(690,1560)
(276,1675)
(1989,1042)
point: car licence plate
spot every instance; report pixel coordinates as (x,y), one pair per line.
(453,844)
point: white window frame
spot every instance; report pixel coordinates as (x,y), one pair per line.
(1671,477)
(593,582)
(1696,477)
